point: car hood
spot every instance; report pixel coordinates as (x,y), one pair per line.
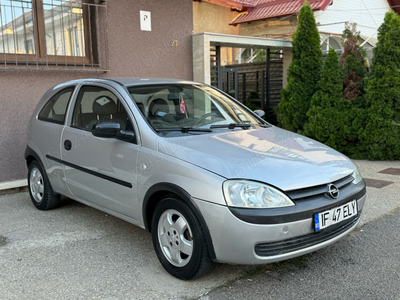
(272,155)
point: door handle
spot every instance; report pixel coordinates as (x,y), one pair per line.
(67,145)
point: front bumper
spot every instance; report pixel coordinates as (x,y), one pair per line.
(238,242)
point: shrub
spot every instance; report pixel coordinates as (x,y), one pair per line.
(252,105)
(327,113)
(380,137)
(303,74)
(352,61)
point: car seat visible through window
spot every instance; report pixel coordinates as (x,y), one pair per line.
(106,110)
(159,115)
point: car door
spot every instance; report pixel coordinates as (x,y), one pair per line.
(101,171)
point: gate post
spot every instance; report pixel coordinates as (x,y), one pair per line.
(244,88)
(267,112)
(219,71)
(263,90)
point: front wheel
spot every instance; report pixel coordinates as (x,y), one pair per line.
(39,188)
(178,239)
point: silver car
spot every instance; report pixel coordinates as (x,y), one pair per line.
(210,179)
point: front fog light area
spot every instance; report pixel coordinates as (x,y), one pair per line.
(250,194)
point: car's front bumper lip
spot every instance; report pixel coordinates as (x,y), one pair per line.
(234,240)
(308,240)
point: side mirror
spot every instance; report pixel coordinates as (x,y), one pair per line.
(126,135)
(106,130)
(259,113)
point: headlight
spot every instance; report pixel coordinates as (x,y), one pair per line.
(356,176)
(250,194)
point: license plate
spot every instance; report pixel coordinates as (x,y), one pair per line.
(335,215)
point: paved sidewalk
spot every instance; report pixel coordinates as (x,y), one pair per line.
(382,189)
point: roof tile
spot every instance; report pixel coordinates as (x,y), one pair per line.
(266,9)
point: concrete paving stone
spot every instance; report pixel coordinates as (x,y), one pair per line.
(378,184)
(384,200)
(391,171)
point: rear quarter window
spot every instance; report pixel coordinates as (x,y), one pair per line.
(55,109)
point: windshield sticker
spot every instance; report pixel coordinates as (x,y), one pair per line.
(183,109)
(102,101)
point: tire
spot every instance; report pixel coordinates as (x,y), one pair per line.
(40,189)
(178,239)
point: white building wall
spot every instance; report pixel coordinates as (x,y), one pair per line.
(369,13)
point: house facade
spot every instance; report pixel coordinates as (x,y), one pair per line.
(259,71)
(367,14)
(277,19)
(46,42)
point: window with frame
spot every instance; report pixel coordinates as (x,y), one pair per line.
(97,104)
(55,109)
(47,32)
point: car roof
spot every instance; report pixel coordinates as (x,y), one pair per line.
(129,81)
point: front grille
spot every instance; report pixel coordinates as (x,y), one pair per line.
(319,189)
(301,242)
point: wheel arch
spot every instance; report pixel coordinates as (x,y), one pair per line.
(31,155)
(157,192)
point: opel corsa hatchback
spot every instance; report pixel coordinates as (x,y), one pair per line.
(211,180)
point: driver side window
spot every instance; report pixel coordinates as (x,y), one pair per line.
(97,104)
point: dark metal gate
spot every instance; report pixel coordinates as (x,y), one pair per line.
(263,79)
(266,81)
(226,79)
(274,79)
(229,82)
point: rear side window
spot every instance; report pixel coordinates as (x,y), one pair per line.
(55,109)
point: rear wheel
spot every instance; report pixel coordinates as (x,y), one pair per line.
(179,240)
(39,188)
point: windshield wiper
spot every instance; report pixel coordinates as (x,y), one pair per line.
(234,125)
(184,129)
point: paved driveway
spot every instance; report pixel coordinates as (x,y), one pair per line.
(365,265)
(76,252)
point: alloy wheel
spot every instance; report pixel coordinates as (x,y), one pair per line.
(175,238)
(36,185)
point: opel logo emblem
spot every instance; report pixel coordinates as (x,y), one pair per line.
(333,191)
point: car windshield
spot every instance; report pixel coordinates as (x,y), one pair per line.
(176,109)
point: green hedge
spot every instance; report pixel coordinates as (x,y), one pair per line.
(303,73)
(380,135)
(326,122)
(365,128)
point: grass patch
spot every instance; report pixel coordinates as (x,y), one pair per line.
(257,270)
(3,240)
(291,264)
(251,271)
(357,230)
(387,214)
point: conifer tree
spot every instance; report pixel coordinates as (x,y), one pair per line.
(380,137)
(352,61)
(326,114)
(303,74)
